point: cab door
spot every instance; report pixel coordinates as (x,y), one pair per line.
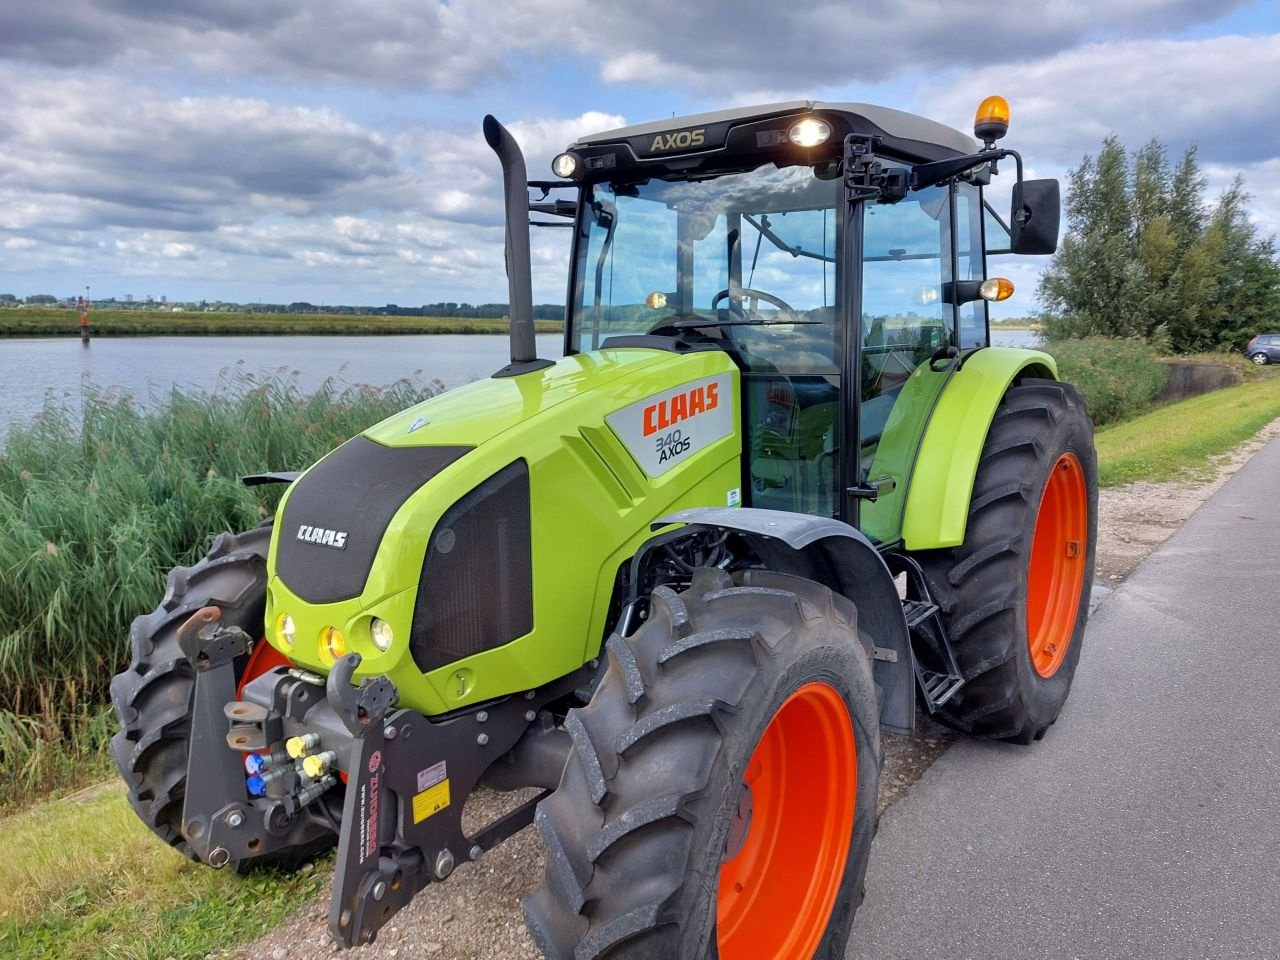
(909,335)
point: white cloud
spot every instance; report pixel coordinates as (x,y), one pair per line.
(220,191)
(1181,91)
(101,174)
(453,46)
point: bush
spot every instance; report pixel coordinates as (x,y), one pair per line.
(97,506)
(1119,378)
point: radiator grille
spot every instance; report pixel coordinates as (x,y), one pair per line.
(476,591)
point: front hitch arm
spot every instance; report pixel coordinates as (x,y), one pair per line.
(409,778)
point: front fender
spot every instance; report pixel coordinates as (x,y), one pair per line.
(840,557)
(942,481)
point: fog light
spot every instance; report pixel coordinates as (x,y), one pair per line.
(381,633)
(285,629)
(333,646)
(809,132)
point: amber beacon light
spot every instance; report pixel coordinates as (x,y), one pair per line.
(991,122)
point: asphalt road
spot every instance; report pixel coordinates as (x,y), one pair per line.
(1147,823)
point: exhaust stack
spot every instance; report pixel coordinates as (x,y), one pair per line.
(515,179)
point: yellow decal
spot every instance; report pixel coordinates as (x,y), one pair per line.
(430,801)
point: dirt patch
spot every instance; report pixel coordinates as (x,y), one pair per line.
(476,914)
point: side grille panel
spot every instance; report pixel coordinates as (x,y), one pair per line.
(355,491)
(476,591)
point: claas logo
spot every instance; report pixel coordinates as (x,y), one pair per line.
(690,403)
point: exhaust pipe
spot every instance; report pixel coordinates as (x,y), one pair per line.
(515,182)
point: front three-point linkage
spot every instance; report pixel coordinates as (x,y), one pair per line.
(409,778)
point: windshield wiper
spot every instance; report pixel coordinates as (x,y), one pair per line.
(797,251)
(693,323)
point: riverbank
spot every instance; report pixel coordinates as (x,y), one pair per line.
(37,322)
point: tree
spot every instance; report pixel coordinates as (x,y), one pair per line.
(1147,256)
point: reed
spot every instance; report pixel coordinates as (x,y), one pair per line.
(98,500)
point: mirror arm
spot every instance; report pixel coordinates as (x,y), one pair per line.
(929,174)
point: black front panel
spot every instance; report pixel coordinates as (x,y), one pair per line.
(476,590)
(337,514)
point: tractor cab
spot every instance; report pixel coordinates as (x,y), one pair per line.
(835,251)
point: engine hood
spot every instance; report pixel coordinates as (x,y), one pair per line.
(480,411)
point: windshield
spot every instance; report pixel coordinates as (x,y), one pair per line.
(740,252)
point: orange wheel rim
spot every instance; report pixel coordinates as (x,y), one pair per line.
(1056,575)
(789,837)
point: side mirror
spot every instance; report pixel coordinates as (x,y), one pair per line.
(1033,221)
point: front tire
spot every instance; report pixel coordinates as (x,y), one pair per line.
(720,796)
(153,697)
(1015,594)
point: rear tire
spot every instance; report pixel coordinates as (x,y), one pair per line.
(656,846)
(153,697)
(1016,603)
(1260,358)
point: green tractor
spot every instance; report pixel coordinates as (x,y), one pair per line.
(779,493)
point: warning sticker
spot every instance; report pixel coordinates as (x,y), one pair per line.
(668,428)
(431,801)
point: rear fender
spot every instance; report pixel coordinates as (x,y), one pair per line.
(942,480)
(840,557)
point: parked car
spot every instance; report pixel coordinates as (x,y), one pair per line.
(1264,348)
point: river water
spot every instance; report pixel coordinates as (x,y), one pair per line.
(148,366)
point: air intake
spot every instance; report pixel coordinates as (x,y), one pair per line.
(476,591)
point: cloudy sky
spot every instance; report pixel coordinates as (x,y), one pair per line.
(279,150)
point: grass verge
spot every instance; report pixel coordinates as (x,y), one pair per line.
(82,877)
(140,323)
(1180,440)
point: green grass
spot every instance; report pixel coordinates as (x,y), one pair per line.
(37,322)
(1179,441)
(82,878)
(96,507)
(1119,378)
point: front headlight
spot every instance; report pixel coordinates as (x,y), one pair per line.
(333,646)
(285,629)
(381,633)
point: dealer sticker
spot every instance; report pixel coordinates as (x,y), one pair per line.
(431,776)
(664,430)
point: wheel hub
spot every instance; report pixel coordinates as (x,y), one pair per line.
(739,824)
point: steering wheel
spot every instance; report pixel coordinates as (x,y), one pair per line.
(735,299)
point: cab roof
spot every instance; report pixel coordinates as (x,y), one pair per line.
(906,132)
